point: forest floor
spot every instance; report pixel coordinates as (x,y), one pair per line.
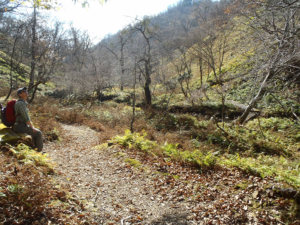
(126,186)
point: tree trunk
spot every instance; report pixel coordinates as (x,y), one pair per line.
(201,70)
(98,90)
(148,82)
(122,66)
(134,98)
(10,74)
(148,92)
(259,95)
(183,91)
(31,81)
(33,94)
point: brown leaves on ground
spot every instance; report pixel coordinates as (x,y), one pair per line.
(159,191)
(28,196)
(219,196)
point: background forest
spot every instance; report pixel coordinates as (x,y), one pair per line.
(205,83)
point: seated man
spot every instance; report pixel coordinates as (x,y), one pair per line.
(23,123)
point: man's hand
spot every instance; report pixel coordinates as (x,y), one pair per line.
(30,124)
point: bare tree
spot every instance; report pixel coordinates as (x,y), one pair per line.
(14,63)
(99,69)
(134,95)
(201,11)
(33,47)
(183,67)
(77,50)
(275,29)
(49,56)
(8,6)
(212,47)
(147,32)
(117,49)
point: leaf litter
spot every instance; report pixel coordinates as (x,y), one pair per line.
(111,190)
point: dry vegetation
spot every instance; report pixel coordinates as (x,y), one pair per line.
(210,72)
(184,140)
(28,195)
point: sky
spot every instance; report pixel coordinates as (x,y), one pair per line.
(100,20)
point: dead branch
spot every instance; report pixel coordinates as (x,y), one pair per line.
(260,127)
(225,132)
(295,114)
(122,220)
(95,199)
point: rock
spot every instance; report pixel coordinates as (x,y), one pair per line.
(8,136)
(288,192)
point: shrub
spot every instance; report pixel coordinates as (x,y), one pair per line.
(29,156)
(135,140)
(279,167)
(133,162)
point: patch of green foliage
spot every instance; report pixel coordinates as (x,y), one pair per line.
(160,101)
(273,104)
(279,167)
(269,135)
(280,104)
(176,121)
(134,140)
(133,162)
(120,154)
(29,156)
(14,188)
(282,168)
(139,141)
(5,70)
(113,113)
(117,96)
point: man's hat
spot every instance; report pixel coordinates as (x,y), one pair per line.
(20,90)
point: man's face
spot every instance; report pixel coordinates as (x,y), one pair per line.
(24,94)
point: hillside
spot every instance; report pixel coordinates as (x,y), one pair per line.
(187,117)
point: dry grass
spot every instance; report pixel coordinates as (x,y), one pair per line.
(113,119)
(47,114)
(27,194)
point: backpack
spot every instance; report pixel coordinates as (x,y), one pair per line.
(8,116)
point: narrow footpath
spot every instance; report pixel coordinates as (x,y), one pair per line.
(113,192)
(120,191)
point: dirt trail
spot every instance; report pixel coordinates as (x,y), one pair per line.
(122,190)
(157,192)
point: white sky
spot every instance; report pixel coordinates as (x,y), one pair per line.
(100,20)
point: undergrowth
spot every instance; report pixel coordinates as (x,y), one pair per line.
(26,155)
(139,141)
(282,168)
(189,138)
(27,191)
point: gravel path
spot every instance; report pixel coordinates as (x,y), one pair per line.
(113,191)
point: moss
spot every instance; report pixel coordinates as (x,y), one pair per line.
(176,177)
(101,147)
(120,154)
(8,136)
(243,185)
(133,162)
